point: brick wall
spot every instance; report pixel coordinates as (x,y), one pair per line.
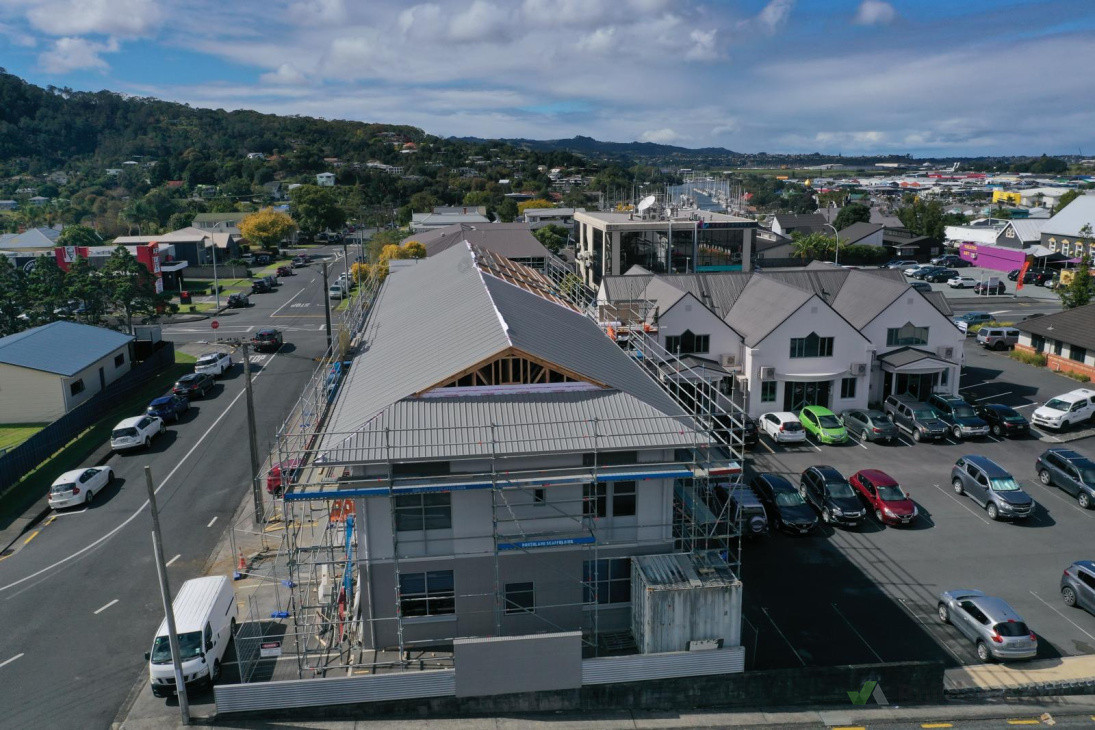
(1060,363)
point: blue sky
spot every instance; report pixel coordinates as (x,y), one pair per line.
(926,77)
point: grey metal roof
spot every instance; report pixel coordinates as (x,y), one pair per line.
(683,571)
(64,348)
(939,300)
(1074,216)
(1073,326)
(33,238)
(512,240)
(858,231)
(906,356)
(813,221)
(763,306)
(864,297)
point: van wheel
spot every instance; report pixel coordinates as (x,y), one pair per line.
(1083,499)
(216,675)
(994,512)
(1068,596)
(1001,345)
(957,483)
(1044,477)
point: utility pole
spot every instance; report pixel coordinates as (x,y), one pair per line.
(345,256)
(327,304)
(216,281)
(165,594)
(252,440)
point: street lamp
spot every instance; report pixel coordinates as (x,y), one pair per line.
(216,285)
(836,256)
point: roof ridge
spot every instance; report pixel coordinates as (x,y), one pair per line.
(490,298)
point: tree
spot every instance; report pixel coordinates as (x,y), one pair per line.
(423,202)
(1081,289)
(315,209)
(404,216)
(45,289)
(412,250)
(813,245)
(267,228)
(79,236)
(13,297)
(85,285)
(927,219)
(1065,200)
(507,211)
(852,213)
(553,237)
(131,288)
(534,203)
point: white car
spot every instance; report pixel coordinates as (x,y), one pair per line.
(133,433)
(336,292)
(213,364)
(1066,410)
(782,427)
(79,486)
(962,282)
(913,269)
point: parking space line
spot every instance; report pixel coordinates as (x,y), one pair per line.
(936,724)
(783,635)
(169,562)
(103,608)
(212,521)
(961,503)
(31,536)
(9,661)
(1025,721)
(1056,611)
(856,632)
(763,443)
(1057,495)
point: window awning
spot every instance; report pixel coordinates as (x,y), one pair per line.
(812,377)
(912,360)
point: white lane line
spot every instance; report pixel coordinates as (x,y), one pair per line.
(1051,607)
(1049,489)
(961,503)
(283,306)
(9,661)
(143,507)
(764,443)
(169,562)
(856,632)
(797,655)
(251,328)
(212,521)
(105,607)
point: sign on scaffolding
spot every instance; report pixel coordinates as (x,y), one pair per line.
(341,509)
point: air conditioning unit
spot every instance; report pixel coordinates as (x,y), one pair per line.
(767,373)
(727,361)
(858,368)
(947,353)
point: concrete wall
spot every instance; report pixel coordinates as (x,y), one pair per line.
(500,665)
(90,375)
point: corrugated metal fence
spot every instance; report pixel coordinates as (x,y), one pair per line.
(39,447)
(607,670)
(336,691)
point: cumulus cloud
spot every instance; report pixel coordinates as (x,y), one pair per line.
(599,42)
(16,37)
(775,14)
(702,46)
(115,18)
(660,136)
(875,12)
(318,12)
(75,54)
(286,75)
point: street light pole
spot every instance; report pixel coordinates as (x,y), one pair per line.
(216,284)
(836,256)
(252,440)
(327,304)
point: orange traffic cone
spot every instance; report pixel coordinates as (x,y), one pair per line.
(241,568)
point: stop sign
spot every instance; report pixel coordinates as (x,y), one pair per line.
(214,324)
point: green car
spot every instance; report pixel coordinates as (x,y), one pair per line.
(823,424)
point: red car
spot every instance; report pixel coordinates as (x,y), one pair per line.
(891,504)
(285,271)
(280,475)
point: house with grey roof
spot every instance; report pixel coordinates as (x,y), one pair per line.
(513,241)
(506,461)
(442,217)
(787,223)
(1067,339)
(861,234)
(1071,232)
(47,371)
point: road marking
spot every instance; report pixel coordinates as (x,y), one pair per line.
(784,636)
(31,536)
(212,521)
(251,328)
(275,312)
(143,507)
(9,661)
(856,632)
(849,727)
(935,724)
(961,503)
(1056,493)
(1066,618)
(765,445)
(169,562)
(1025,722)
(105,607)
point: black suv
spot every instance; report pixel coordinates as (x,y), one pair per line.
(959,415)
(238,300)
(1068,470)
(740,499)
(260,286)
(194,385)
(1003,421)
(940,275)
(785,506)
(746,429)
(267,339)
(830,494)
(919,419)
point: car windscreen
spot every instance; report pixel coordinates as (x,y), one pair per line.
(63,487)
(1087,474)
(265,336)
(190,646)
(1011,628)
(878,417)
(890,493)
(964,412)
(829,421)
(1057,404)
(207,360)
(1004,484)
(788,499)
(924,412)
(120,433)
(839,489)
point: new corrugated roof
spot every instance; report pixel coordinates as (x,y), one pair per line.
(1072,326)
(64,348)
(1074,216)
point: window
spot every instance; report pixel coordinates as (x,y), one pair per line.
(768,391)
(847,387)
(1087,578)
(1058,347)
(119,360)
(1038,342)
(907,334)
(596,499)
(687,342)
(538,496)
(76,386)
(427,594)
(623,499)
(519,598)
(1077,353)
(606,581)
(811,346)
(415,512)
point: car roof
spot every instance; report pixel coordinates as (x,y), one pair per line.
(951,399)
(266,331)
(783,415)
(1089,564)
(742,493)
(828,473)
(879,477)
(819,410)
(161,399)
(1071,455)
(214,353)
(996,609)
(999,407)
(71,474)
(190,376)
(776,481)
(991,467)
(127,422)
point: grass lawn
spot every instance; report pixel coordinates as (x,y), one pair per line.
(13,434)
(34,485)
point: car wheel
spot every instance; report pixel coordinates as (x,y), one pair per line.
(802,491)
(916,436)
(1044,477)
(878,516)
(147,441)
(993,511)
(216,675)
(89,496)
(110,476)
(944,615)
(996,430)
(1068,596)
(957,483)
(826,517)
(957,433)
(983,652)
(1084,500)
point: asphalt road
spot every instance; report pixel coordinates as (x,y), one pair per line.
(79,601)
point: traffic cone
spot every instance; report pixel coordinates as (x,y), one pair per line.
(241,568)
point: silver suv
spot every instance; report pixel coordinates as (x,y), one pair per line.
(997,338)
(990,623)
(919,419)
(1068,470)
(990,486)
(1078,585)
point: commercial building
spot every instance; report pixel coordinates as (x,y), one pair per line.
(157,257)
(1067,339)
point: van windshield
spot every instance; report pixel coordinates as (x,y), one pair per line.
(190,646)
(1057,404)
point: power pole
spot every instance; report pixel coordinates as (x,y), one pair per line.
(165,594)
(252,440)
(327,304)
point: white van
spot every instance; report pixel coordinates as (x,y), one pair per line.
(205,619)
(1066,410)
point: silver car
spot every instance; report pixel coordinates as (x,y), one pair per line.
(990,623)
(991,486)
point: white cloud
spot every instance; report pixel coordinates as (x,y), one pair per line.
(421,21)
(702,46)
(660,136)
(286,75)
(599,42)
(875,12)
(75,54)
(775,14)
(119,18)
(318,12)
(17,37)
(481,21)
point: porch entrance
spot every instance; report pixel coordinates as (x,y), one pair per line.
(797,396)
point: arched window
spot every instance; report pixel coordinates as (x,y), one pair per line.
(812,346)
(688,342)
(907,334)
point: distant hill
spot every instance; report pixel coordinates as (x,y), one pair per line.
(595,148)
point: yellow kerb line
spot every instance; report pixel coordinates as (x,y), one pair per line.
(31,537)
(936,724)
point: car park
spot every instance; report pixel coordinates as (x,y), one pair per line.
(782,427)
(260,286)
(884,496)
(168,407)
(899,264)
(1067,409)
(135,432)
(962,282)
(739,426)
(924,271)
(995,628)
(238,300)
(285,271)
(1003,420)
(213,364)
(823,425)
(940,276)
(827,491)
(997,338)
(193,386)
(992,487)
(1078,585)
(743,502)
(919,419)
(79,486)
(1069,471)
(267,339)
(869,424)
(784,505)
(990,286)
(959,416)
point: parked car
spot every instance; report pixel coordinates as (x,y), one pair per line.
(912,270)
(272,280)
(996,630)
(785,506)
(741,499)
(336,291)
(132,433)
(1069,471)
(898,264)
(299,261)
(262,259)
(1067,409)
(169,407)
(79,486)
(1002,420)
(213,364)
(962,282)
(990,286)
(959,415)
(1078,585)
(206,614)
(923,272)
(921,286)
(952,260)
(239,300)
(782,427)
(260,286)
(745,428)
(919,419)
(193,386)
(823,425)
(941,275)
(267,339)
(826,489)
(991,486)
(281,474)
(997,338)
(971,319)
(869,425)
(1046,277)
(890,503)
(285,271)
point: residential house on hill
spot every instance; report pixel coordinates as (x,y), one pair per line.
(805,223)
(513,241)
